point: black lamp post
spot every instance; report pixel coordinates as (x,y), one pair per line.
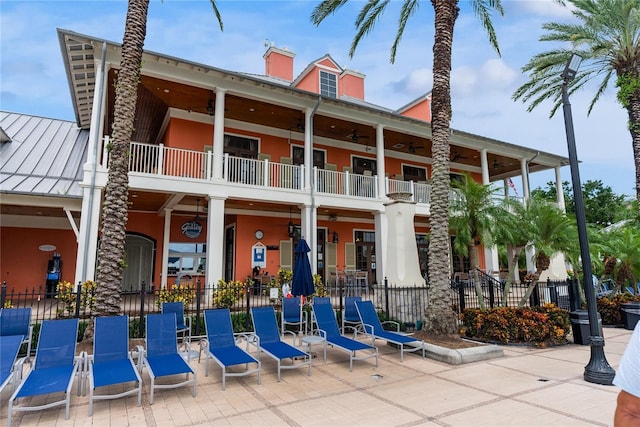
(597,370)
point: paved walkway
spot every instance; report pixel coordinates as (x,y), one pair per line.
(526,387)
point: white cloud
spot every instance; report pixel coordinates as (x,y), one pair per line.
(549,8)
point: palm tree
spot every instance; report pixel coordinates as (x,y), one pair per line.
(608,39)
(552,231)
(111,255)
(439,317)
(473,221)
(620,249)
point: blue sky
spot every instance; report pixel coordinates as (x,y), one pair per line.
(32,78)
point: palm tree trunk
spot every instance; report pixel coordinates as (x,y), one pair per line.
(512,262)
(473,259)
(633,110)
(111,255)
(439,316)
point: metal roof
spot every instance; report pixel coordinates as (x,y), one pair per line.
(43,157)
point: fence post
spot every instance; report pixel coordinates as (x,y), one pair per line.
(78,299)
(3,293)
(461,296)
(198,300)
(141,323)
(553,292)
(250,285)
(534,299)
(386,296)
(574,295)
(492,298)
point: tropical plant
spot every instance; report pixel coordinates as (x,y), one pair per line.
(473,221)
(620,251)
(114,212)
(439,318)
(227,294)
(176,293)
(66,293)
(607,38)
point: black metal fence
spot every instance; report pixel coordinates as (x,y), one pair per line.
(401,303)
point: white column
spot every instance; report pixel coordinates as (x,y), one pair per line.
(215,240)
(559,190)
(382,192)
(308,224)
(88,237)
(382,235)
(166,238)
(484,166)
(524,171)
(218,133)
(308,149)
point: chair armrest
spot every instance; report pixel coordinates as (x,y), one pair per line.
(391,322)
(141,352)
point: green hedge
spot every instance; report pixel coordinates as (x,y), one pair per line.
(540,326)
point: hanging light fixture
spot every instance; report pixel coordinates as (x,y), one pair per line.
(193,228)
(210,107)
(291,227)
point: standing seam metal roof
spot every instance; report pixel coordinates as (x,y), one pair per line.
(44,156)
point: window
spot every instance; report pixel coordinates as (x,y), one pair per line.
(328,84)
(413,173)
(187,258)
(361,164)
(298,157)
(240,146)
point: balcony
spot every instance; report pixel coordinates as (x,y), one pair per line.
(197,165)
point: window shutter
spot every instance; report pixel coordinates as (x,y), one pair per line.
(286,254)
(350,256)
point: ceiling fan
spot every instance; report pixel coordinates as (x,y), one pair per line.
(413,148)
(299,127)
(354,136)
(496,164)
(208,109)
(457,156)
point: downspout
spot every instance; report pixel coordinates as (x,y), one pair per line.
(313,187)
(94,167)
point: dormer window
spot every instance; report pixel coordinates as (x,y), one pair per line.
(328,84)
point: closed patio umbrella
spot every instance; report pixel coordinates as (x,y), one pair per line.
(302,283)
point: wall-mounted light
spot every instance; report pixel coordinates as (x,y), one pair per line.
(210,107)
(334,237)
(291,227)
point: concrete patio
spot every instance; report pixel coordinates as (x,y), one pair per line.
(526,387)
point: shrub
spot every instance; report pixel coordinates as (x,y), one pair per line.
(541,326)
(67,295)
(177,293)
(227,294)
(610,308)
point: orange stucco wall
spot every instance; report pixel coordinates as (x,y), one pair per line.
(188,135)
(351,85)
(279,65)
(24,267)
(420,111)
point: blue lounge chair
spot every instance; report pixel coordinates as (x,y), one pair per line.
(265,326)
(10,367)
(161,357)
(373,327)
(350,318)
(183,323)
(325,318)
(292,314)
(111,362)
(220,345)
(54,368)
(17,321)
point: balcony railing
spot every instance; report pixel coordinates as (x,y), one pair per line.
(167,161)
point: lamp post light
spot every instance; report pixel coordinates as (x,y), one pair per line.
(597,370)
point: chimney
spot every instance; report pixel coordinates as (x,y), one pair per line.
(279,62)
(351,84)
